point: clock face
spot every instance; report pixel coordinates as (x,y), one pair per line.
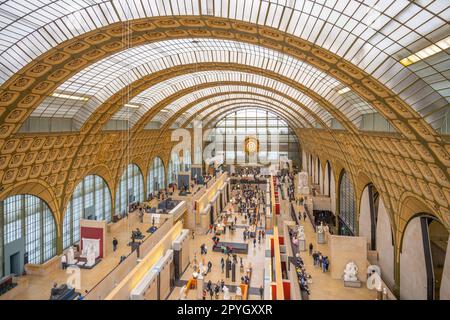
(251,145)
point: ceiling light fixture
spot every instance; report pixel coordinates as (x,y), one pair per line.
(133,106)
(344,90)
(427,52)
(68,96)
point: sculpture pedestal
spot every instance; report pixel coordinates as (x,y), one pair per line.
(302,245)
(321,238)
(304,190)
(200,288)
(352,284)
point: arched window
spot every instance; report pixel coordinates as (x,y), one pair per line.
(90,200)
(156,176)
(174,168)
(276,139)
(130,189)
(347,206)
(187,161)
(198,155)
(29,230)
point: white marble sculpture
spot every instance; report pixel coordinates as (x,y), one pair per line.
(301,233)
(320,228)
(71,256)
(90,256)
(374,282)
(373,268)
(238,292)
(350,272)
(226,293)
(303,183)
(203,270)
(183,295)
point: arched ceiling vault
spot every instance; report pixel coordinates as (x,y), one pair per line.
(98,82)
(26,89)
(288,117)
(78,53)
(202,111)
(192,102)
(367,34)
(153,95)
(106,110)
(186,103)
(222,114)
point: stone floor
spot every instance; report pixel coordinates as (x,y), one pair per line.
(255,256)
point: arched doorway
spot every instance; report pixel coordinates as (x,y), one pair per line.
(347,206)
(91,199)
(174,168)
(28,233)
(423,264)
(368,216)
(320,177)
(327,179)
(156,176)
(130,189)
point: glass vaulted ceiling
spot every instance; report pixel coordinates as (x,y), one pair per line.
(154,94)
(103,79)
(200,110)
(372,34)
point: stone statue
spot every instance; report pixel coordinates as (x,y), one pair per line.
(183,294)
(374,282)
(373,268)
(320,228)
(71,256)
(239,293)
(202,269)
(303,179)
(350,272)
(90,256)
(226,293)
(301,233)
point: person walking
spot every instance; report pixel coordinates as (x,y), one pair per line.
(254,242)
(64,262)
(115,243)
(324,264)
(311,247)
(204,294)
(209,266)
(304,216)
(261,292)
(217,290)
(209,285)
(314,256)
(222,263)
